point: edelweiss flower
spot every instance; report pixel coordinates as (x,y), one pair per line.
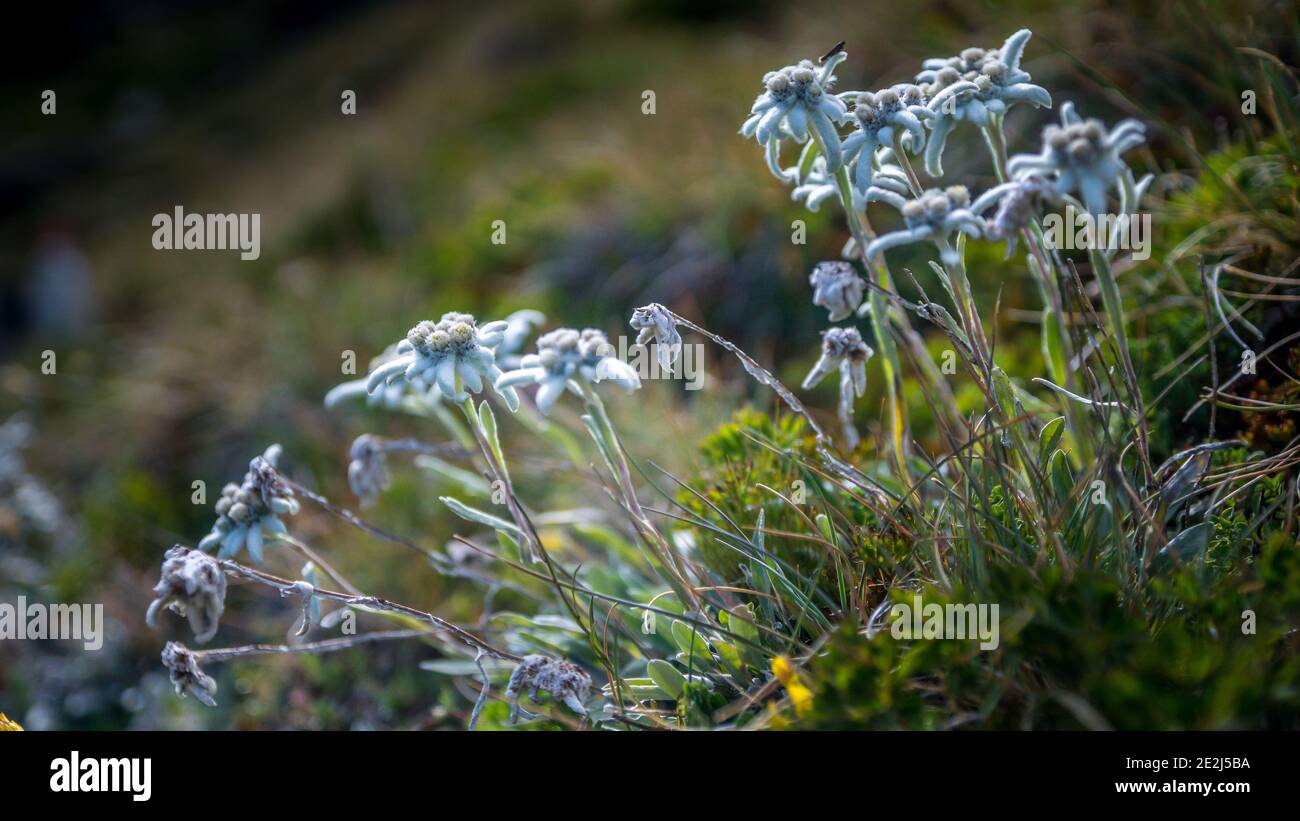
(368,474)
(1018,203)
(796,98)
(565,681)
(247,511)
(975,86)
(653,321)
(186,676)
(454,354)
(1083,156)
(844,349)
(193,585)
(935,215)
(880,117)
(566,354)
(837,288)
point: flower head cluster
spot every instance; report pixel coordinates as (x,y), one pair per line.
(794,100)
(654,322)
(1082,156)
(936,215)
(843,349)
(186,676)
(565,681)
(453,354)
(837,288)
(880,117)
(567,354)
(248,511)
(192,585)
(976,86)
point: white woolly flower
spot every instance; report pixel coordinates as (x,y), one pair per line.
(453,354)
(796,99)
(843,349)
(186,676)
(975,86)
(837,288)
(654,322)
(1082,156)
(247,512)
(565,681)
(935,216)
(816,186)
(192,585)
(565,355)
(880,117)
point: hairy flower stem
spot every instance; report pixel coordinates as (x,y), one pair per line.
(1114,305)
(606,438)
(878,309)
(499,473)
(372,604)
(1057,344)
(326,646)
(913,181)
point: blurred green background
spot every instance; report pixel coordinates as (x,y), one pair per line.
(180,366)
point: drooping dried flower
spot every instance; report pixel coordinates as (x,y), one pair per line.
(186,676)
(837,288)
(368,474)
(653,322)
(192,585)
(565,681)
(843,349)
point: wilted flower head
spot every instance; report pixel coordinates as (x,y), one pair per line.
(192,585)
(186,676)
(837,288)
(935,215)
(976,86)
(248,511)
(368,474)
(844,349)
(654,322)
(568,354)
(880,117)
(1018,203)
(453,353)
(1082,156)
(565,681)
(795,99)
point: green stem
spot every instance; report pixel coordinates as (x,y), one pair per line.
(879,311)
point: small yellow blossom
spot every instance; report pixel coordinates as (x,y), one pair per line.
(800,695)
(7,723)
